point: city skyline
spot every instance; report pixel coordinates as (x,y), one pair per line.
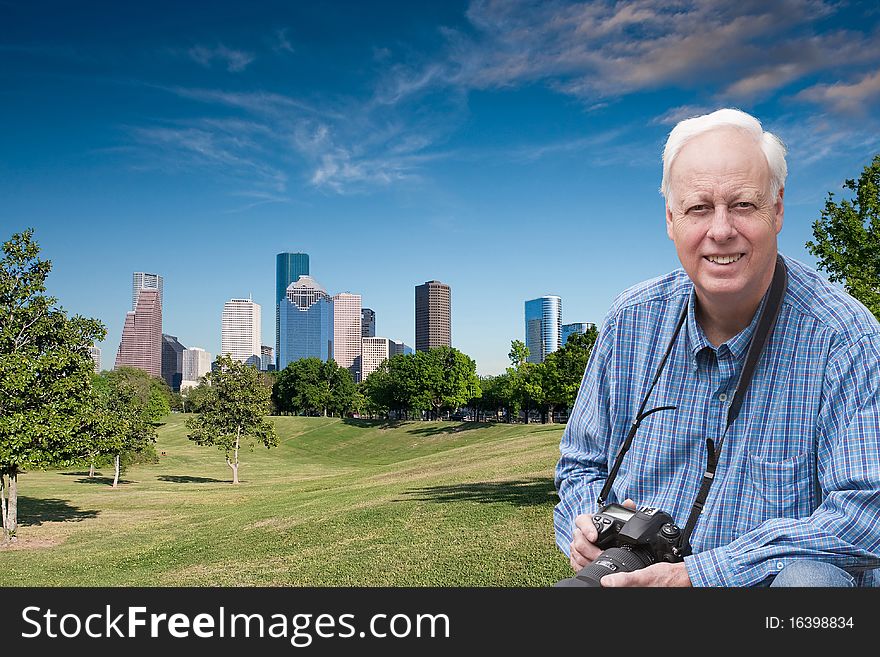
(506,149)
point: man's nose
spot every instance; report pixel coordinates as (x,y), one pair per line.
(721,228)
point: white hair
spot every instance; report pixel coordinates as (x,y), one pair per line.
(684,131)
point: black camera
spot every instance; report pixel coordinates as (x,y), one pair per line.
(631,540)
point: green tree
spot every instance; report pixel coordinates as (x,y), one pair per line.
(565,367)
(491,398)
(45,370)
(311,386)
(847,238)
(446,379)
(343,390)
(234,410)
(152,392)
(122,422)
(193,400)
(523,384)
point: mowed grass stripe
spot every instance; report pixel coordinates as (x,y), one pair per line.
(338,503)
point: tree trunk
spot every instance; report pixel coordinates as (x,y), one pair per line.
(9,504)
(116,471)
(92,469)
(235,463)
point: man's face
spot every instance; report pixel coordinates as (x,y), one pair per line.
(720,215)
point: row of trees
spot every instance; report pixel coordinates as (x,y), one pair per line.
(546,388)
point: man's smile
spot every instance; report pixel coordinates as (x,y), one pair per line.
(724,259)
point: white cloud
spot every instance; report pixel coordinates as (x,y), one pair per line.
(846,98)
(604,50)
(235,61)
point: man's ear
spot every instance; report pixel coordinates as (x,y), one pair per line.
(669,221)
(779,208)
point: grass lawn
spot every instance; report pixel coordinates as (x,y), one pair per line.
(337,503)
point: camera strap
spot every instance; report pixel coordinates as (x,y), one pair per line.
(766,322)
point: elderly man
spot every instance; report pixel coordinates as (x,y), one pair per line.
(789,478)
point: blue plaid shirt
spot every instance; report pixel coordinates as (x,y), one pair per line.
(799,472)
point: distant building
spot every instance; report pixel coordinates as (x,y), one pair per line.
(172,361)
(347,328)
(196,363)
(143,281)
(241,330)
(433,315)
(543,327)
(288,268)
(95,353)
(305,322)
(267,358)
(571,329)
(141,344)
(399,348)
(368,323)
(376,350)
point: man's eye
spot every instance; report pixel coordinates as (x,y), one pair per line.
(701,207)
(744,205)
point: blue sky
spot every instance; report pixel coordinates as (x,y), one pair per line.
(509,149)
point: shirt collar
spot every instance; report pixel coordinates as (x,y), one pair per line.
(737,345)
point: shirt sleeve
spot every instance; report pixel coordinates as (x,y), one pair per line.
(583,466)
(844,530)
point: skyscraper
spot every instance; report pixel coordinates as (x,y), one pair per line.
(141,344)
(143,281)
(267,356)
(368,323)
(577,327)
(375,351)
(95,353)
(347,330)
(240,331)
(288,268)
(399,348)
(543,327)
(196,363)
(305,322)
(172,361)
(433,315)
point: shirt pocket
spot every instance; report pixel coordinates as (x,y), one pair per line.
(779,489)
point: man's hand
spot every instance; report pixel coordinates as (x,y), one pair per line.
(659,574)
(583,547)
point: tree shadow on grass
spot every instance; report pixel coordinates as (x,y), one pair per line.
(184,479)
(521,492)
(36,511)
(452,428)
(373,424)
(97,479)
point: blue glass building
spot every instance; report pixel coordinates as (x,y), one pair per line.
(288,268)
(577,327)
(305,322)
(543,327)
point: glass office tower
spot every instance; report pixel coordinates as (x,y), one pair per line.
(288,268)
(543,327)
(305,322)
(577,327)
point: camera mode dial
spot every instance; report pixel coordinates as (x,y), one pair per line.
(670,531)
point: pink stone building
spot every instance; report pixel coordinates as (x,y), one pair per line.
(141,345)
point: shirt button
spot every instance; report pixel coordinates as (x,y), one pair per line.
(780,565)
(722,397)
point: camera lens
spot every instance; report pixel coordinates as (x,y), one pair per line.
(612,560)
